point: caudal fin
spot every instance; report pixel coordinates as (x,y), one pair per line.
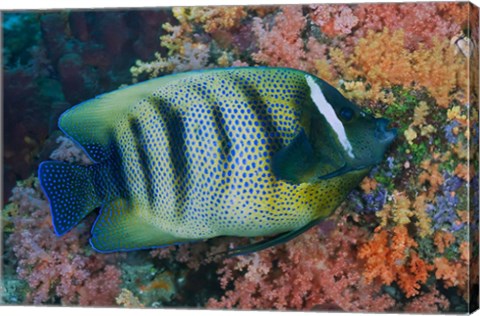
(70,191)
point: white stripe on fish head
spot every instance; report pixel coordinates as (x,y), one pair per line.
(328,112)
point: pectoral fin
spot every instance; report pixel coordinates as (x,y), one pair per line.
(295,162)
(301,162)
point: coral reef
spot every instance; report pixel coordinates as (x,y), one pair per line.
(334,20)
(317,269)
(404,240)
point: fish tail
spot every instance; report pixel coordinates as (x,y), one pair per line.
(70,189)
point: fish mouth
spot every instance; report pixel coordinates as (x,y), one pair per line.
(383,133)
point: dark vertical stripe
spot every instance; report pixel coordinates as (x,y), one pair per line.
(176,135)
(109,176)
(117,176)
(139,140)
(259,107)
(220,123)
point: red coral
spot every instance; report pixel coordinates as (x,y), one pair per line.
(316,270)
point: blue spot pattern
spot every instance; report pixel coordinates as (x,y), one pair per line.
(191,160)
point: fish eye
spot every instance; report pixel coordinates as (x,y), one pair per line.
(346,114)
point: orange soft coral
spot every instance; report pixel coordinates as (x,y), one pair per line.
(440,70)
(442,240)
(382,59)
(430,175)
(453,272)
(390,256)
(211,18)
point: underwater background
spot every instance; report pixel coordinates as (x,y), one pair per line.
(402,241)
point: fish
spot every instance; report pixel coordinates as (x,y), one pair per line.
(247,152)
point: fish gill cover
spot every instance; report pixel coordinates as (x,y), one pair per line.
(400,242)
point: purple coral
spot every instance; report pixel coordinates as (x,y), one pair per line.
(369,202)
(444,212)
(448,129)
(474,189)
(451,183)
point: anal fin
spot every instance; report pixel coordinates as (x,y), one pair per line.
(120,228)
(273,241)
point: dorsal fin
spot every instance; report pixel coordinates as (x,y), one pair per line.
(90,123)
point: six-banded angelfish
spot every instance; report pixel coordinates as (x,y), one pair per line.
(191,156)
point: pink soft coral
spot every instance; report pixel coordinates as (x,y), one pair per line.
(334,20)
(58,267)
(68,151)
(421,22)
(282,45)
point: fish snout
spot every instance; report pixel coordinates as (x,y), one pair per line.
(382,133)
